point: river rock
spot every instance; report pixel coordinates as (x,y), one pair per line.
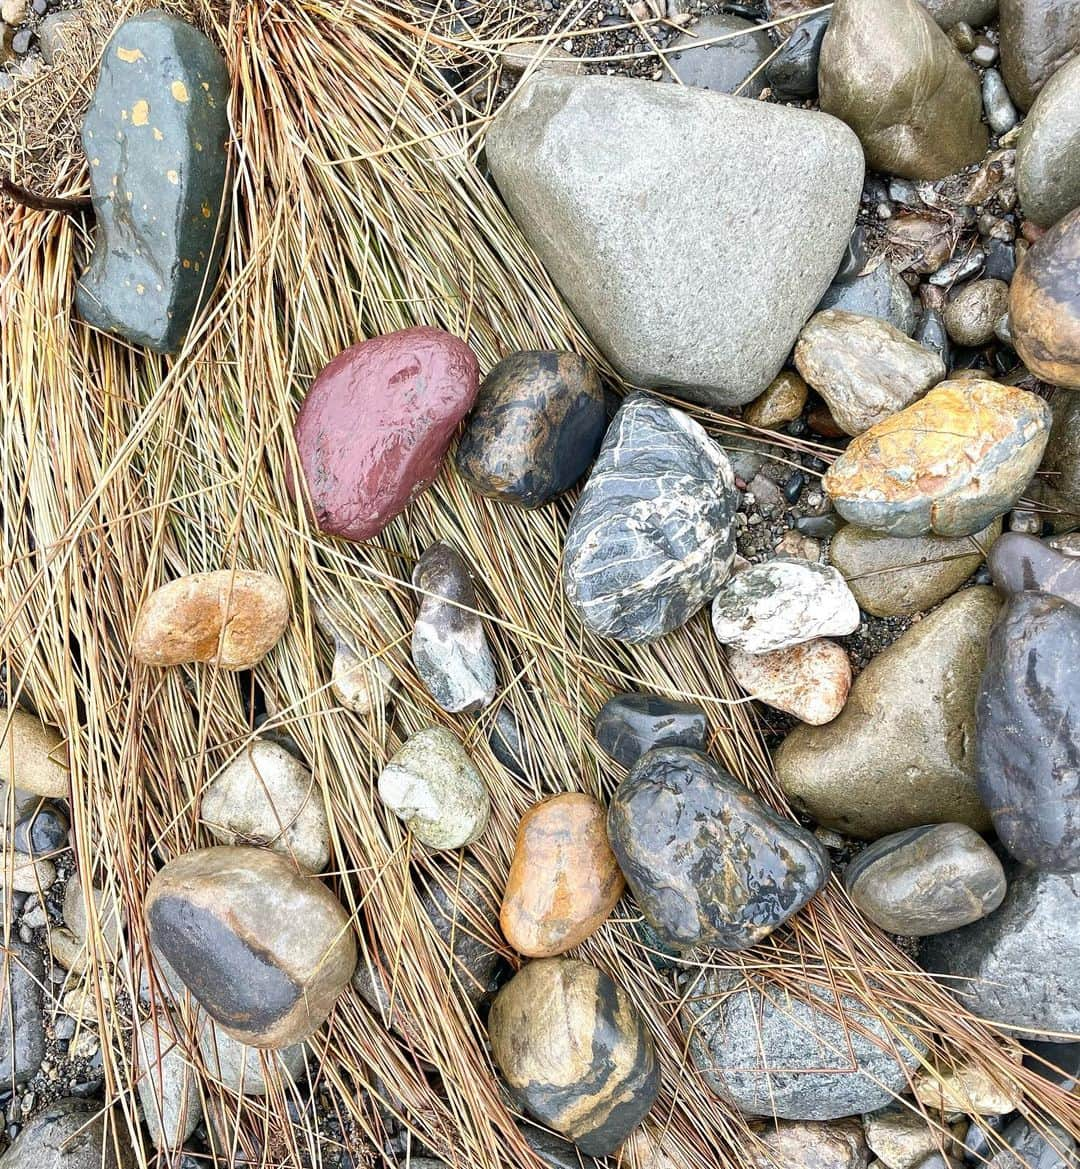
(628,725)
(863,367)
(973,310)
(1059,485)
(1027,1146)
(22,1026)
(1023,563)
(725,66)
(601,171)
(781,603)
(708,863)
(69,1134)
(902,1139)
(963,1086)
(781,402)
(33,760)
(376,424)
(155,136)
(1048,150)
(896,79)
(23,874)
(948,464)
(359,677)
(248,1071)
(167,1086)
(879,292)
(950,12)
(793,72)
(266,950)
(901,753)
(652,537)
(1037,37)
(538,422)
(800,1144)
(231,619)
(810,681)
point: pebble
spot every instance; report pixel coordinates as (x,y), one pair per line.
(13,12)
(167,1085)
(504,739)
(376,424)
(33,760)
(961,34)
(798,1144)
(264,949)
(106,928)
(809,681)
(20,42)
(248,1071)
(984,52)
(726,66)
(781,402)
(58,32)
(931,334)
(68,951)
(1025,563)
(1037,37)
(793,72)
(43,832)
(854,259)
(967,1087)
(22,874)
(628,725)
(229,618)
(70,1134)
(973,309)
(359,678)
(1001,114)
(820,527)
(901,1138)
(799,547)
(707,862)
(1048,150)
(573,1048)
(22,1028)
(1000,260)
(431,785)
(879,292)
(1047,1146)
(652,537)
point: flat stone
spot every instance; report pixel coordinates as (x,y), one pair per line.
(69,1134)
(950,12)
(599,172)
(628,725)
(1023,563)
(974,309)
(249,1071)
(1059,485)
(725,66)
(800,1144)
(879,292)
(707,862)
(652,537)
(33,759)
(264,949)
(1048,1146)
(359,677)
(901,753)
(231,619)
(782,401)
(902,1139)
(526,57)
(948,464)
(809,681)
(22,1025)
(1048,149)
(573,1048)
(155,136)
(376,424)
(167,1085)
(967,1087)
(538,422)
(793,72)
(1037,37)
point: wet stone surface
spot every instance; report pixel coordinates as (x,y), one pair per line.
(628,725)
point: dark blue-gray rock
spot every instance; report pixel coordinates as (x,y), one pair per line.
(652,537)
(155,137)
(881,292)
(22,1027)
(708,863)
(771,1053)
(1022,563)
(725,65)
(504,739)
(1057,1062)
(70,1134)
(43,832)
(1029,1146)
(628,725)
(1027,753)
(931,333)
(792,73)
(854,258)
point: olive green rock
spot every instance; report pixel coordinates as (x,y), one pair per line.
(1048,151)
(1037,37)
(901,752)
(1058,484)
(896,79)
(155,137)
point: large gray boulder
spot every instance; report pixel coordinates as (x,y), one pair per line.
(692,233)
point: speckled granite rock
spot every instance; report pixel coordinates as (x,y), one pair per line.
(879,292)
(1048,150)
(33,758)
(810,681)
(69,1134)
(724,66)
(1024,563)
(628,725)
(1037,37)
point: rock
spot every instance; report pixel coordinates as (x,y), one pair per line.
(652,537)
(525,57)
(573,1048)
(863,367)
(1046,1146)
(1001,114)
(264,949)
(1037,37)
(600,171)
(33,759)
(973,310)
(707,862)
(43,831)
(58,32)
(564,880)
(810,681)
(22,874)
(781,603)
(770,1053)
(991,966)
(106,915)
(1048,150)
(798,1144)
(950,12)
(231,619)
(854,260)
(431,784)
(968,1087)
(628,725)
(1025,751)
(793,72)
(69,1134)
(14,12)
(1044,304)
(268,797)
(897,576)
(1024,563)
(22,1028)
(167,1085)
(782,401)
(948,464)
(1060,488)
(68,951)
(247,1070)
(155,135)
(504,739)
(725,66)
(376,424)
(901,753)
(902,1139)
(538,422)
(1057,1063)
(449,646)
(896,79)
(359,678)
(879,292)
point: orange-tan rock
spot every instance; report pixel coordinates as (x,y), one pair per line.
(810,681)
(781,401)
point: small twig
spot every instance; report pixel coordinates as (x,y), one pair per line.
(43,202)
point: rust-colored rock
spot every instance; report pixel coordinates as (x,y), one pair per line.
(810,681)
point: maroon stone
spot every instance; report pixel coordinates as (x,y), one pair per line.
(376,424)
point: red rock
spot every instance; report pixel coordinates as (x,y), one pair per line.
(376,424)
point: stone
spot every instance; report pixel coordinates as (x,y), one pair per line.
(926,880)
(948,464)
(22,1028)
(781,603)
(376,424)
(537,424)
(950,12)
(1058,487)
(1024,741)
(708,863)
(1023,563)
(973,309)
(1019,967)
(726,66)
(1048,150)
(167,1086)
(809,681)
(573,1048)
(800,1144)
(155,136)
(1057,1063)
(449,646)
(896,79)
(23,874)
(793,72)
(508,747)
(69,1134)
(359,677)
(1027,1146)
(431,785)
(268,797)
(1037,37)
(652,537)
(68,951)
(43,832)
(13,12)
(771,1053)
(901,1138)
(231,618)
(863,367)
(781,402)
(522,58)
(1044,304)
(628,725)
(879,292)
(600,171)
(264,949)
(564,880)
(106,915)
(968,1087)
(1001,114)
(898,576)
(855,259)
(901,753)
(248,1071)
(58,32)
(33,759)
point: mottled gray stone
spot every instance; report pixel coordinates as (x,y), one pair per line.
(167,1086)
(1047,1147)
(880,292)
(1023,563)
(1048,150)
(243,1069)
(22,1029)
(1037,38)
(973,310)
(69,1134)
(1001,114)
(724,66)
(628,725)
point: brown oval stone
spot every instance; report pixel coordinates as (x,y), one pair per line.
(564,879)
(230,618)
(781,401)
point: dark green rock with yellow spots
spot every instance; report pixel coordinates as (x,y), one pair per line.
(155,136)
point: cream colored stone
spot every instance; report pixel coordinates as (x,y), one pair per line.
(810,681)
(33,757)
(968,1088)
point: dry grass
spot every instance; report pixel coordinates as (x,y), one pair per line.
(356,210)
